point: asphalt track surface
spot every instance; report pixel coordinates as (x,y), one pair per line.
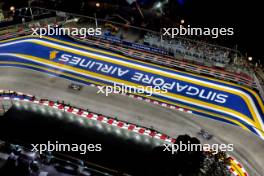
(248,148)
(52,55)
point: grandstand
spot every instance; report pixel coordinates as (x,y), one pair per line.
(185,54)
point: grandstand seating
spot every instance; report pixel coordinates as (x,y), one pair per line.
(188,62)
(195,50)
(174,63)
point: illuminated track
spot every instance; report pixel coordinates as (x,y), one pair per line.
(247,146)
(204,96)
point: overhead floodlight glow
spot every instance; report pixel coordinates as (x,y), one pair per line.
(71,118)
(90,123)
(51,112)
(118,131)
(158,5)
(59,115)
(25,106)
(182,21)
(147,140)
(18,105)
(43,110)
(127,134)
(99,126)
(34,108)
(81,121)
(157,143)
(109,129)
(12,8)
(137,137)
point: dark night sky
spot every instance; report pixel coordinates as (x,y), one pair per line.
(245,16)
